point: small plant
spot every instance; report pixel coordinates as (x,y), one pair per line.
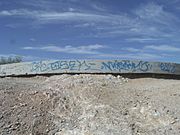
(10,59)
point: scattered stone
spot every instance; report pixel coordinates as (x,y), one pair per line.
(34,93)
(89,105)
(1,116)
(23,104)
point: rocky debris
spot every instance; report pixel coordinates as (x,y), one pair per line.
(78,106)
(89,105)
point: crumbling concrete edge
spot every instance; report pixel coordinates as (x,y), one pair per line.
(89,66)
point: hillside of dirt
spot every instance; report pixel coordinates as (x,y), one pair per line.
(89,105)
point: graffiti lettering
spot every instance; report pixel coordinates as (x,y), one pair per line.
(89,66)
(168,67)
(126,65)
(83,65)
(72,65)
(62,65)
(39,67)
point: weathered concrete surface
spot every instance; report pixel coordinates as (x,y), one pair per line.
(89,66)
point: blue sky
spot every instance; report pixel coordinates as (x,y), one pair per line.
(91,29)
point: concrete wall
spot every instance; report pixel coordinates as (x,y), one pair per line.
(89,66)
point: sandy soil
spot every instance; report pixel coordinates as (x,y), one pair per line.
(89,105)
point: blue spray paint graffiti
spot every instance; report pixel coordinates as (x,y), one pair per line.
(89,66)
(115,66)
(63,65)
(39,67)
(168,67)
(126,65)
(70,65)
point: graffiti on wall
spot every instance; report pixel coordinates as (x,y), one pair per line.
(126,65)
(90,66)
(168,67)
(63,65)
(86,65)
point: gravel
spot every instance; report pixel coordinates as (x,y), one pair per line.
(89,105)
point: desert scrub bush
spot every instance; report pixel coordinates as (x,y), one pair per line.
(10,59)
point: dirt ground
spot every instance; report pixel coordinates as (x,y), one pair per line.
(89,105)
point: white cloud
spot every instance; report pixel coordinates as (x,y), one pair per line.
(20,13)
(34,58)
(71,5)
(29,48)
(89,49)
(150,21)
(166,48)
(85,25)
(5,13)
(98,7)
(42,4)
(155,13)
(32,39)
(142,39)
(131,49)
(53,15)
(71,16)
(137,56)
(71,9)
(159,48)
(144,53)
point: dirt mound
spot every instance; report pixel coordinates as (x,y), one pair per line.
(82,105)
(89,105)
